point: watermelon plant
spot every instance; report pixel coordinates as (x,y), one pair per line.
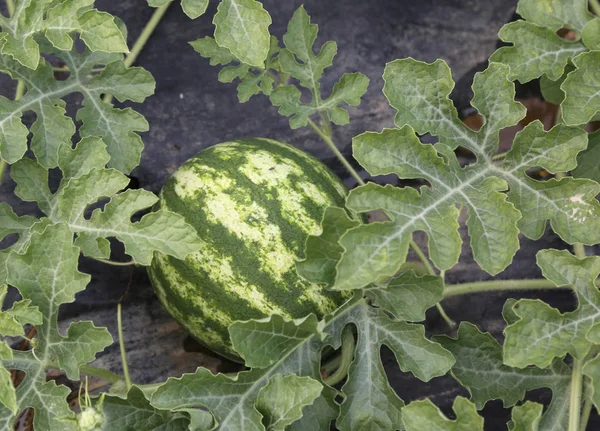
(262,254)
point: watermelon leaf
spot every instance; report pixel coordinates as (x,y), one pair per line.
(83,185)
(592,371)
(192,8)
(424,415)
(541,332)
(53,129)
(419,92)
(46,275)
(253,80)
(480,369)
(242,26)
(526,417)
(235,408)
(57,21)
(135,412)
(299,61)
(281,401)
(323,251)
(582,90)
(262,342)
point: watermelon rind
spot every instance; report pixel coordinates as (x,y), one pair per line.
(253,202)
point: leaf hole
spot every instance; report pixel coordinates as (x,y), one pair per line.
(568,34)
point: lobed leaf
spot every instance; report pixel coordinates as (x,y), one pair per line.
(592,370)
(582,90)
(555,14)
(526,417)
(376,405)
(57,21)
(253,80)
(84,185)
(424,415)
(262,342)
(299,61)
(323,251)
(46,275)
(281,401)
(419,92)
(541,332)
(368,398)
(480,369)
(135,412)
(242,27)
(588,161)
(536,51)
(53,129)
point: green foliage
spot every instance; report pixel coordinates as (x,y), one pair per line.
(538,51)
(235,401)
(541,332)
(46,275)
(481,370)
(289,383)
(295,60)
(82,185)
(53,129)
(57,21)
(419,92)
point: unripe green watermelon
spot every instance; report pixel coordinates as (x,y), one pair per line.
(254,202)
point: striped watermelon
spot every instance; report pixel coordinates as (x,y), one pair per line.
(254,202)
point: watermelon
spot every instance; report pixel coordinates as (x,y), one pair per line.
(254,202)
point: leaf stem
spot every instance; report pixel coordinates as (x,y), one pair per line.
(101,373)
(114,263)
(595,4)
(337,152)
(333,364)
(500,155)
(451,323)
(498,285)
(3,166)
(10,5)
(575,398)
(587,407)
(348,345)
(122,348)
(579,250)
(141,41)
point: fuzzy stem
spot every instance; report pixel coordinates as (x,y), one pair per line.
(101,373)
(327,138)
(587,408)
(10,6)
(114,263)
(595,4)
(579,250)
(337,152)
(122,348)
(333,364)
(575,398)
(348,345)
(498,285)
(141,41)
